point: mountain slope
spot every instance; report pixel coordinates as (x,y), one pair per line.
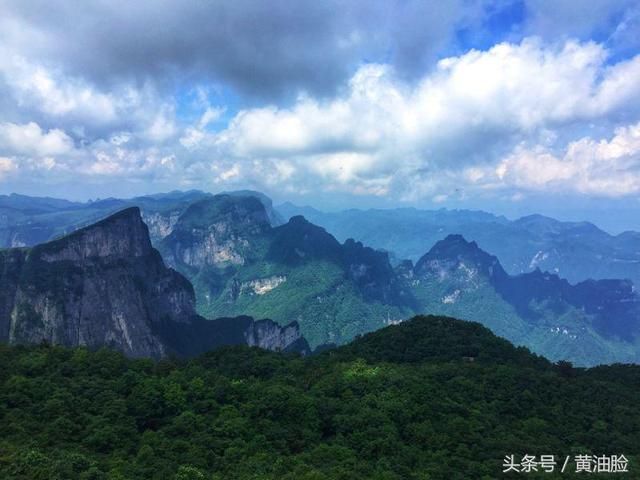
(430,398)
(105,285)
(240,264)
(576,251)
(590,322)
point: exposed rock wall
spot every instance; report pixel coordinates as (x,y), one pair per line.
(105,285)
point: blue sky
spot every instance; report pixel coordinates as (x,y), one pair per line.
(513,106)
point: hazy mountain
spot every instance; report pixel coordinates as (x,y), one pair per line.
(240,264)
(590,322)
(242,261)
(275,218)
(105,285)
(28,221)
(574,250)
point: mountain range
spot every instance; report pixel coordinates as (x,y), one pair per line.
(240,264)
(237,258)
(576,251)
(26,221)
(106,286)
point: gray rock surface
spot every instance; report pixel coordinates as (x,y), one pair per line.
(105,285)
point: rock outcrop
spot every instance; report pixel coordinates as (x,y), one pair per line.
(217,231)
(105,285)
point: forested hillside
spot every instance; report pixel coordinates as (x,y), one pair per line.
(432,398)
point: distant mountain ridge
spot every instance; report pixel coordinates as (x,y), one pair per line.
(576,251)
(105,285)
(594,319)
(239,264)
(26,221)
(243,262)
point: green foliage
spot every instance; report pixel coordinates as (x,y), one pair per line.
(432,398)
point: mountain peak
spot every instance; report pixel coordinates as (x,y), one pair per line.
(299,220)
(274,217)
(217,230)
(456,238)
(122,234)
(225,208)
(456,244)
(455,250)
(300,240)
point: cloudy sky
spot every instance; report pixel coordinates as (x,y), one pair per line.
(510,106)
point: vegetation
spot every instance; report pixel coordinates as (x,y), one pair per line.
(432,398)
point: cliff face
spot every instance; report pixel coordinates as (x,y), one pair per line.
(270,336)
(239,264)
(104,285)
(217,231)
(160,223)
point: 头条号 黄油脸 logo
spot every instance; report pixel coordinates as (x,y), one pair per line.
(564,464)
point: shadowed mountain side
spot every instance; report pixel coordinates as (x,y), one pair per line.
(240,265)
(105,285)
(576,251)
(590,322)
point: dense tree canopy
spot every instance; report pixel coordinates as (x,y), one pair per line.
(432,398)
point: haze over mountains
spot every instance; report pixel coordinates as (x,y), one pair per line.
(574,250)
(244,259)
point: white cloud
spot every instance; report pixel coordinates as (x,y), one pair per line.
(30,139)
(162,127)
(51,92)
(595,167)
(516,117)
(7,165)
(194,135)
(462,117)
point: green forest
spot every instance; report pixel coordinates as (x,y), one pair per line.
(431,398)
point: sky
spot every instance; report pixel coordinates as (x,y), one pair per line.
(514,107)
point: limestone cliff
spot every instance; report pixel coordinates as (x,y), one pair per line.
(105,285)
(217,231)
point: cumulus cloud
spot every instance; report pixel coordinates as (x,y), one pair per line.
(275,48)
(595,167)
(291,97)
(38,92)
(388,136)
(7,165)
(30,139)
(51,92)
(264,49)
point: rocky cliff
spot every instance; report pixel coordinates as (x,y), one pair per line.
(218,231)
(105,285)
(239,264)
